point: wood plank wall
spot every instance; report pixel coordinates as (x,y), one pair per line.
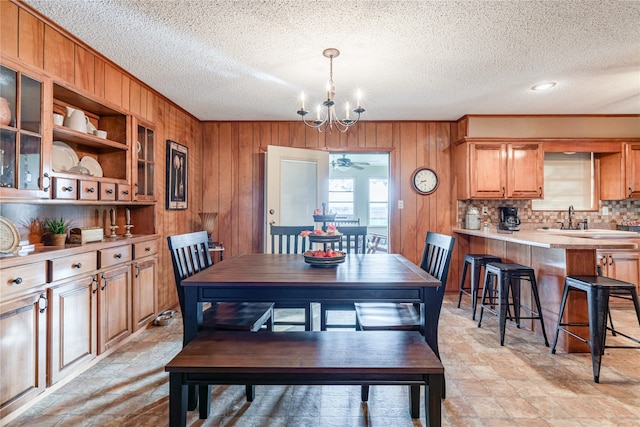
(233,176)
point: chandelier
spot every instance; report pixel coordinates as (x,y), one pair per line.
(329,119)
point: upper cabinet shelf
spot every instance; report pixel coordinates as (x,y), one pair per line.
(77,137)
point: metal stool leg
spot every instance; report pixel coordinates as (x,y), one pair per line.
(559,326)
(536,297)
(462,280)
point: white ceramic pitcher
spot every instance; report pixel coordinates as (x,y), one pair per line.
(76,120)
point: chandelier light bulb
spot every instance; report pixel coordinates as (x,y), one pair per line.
(331,120)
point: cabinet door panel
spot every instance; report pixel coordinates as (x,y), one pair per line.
(73,314)
(487,171)
(144,292)
(23,327)
(632,152)
(58,54)
(525,165)
(114,301)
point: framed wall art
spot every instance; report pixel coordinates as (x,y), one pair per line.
(177,168)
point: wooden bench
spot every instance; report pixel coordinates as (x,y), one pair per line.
(306,358)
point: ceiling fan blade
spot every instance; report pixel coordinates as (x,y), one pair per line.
(361,163)
(353,165)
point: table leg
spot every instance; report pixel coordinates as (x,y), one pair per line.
(432,391)
(177,400)
(432,304)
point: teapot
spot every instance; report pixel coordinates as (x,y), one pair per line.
(76,120)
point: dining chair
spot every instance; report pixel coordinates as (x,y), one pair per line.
(189,255)
(286,239)
(436,258)
(354,241)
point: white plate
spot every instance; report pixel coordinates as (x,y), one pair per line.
(9,236)
(64,158)
(92,164)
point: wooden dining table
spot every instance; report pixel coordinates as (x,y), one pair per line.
(283,278)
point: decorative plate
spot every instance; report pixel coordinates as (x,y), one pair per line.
(92,164)
(64,158)
(320,262)
(9,236)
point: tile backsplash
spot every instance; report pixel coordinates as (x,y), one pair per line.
(620,212)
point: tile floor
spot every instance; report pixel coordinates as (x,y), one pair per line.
(520,384)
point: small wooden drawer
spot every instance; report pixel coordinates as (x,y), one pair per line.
(88,190)
(64,188)
(114,256)
(72,265)
(107,191)
(15,280)
(143,249)
(124,192)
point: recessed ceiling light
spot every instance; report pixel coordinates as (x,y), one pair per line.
(543,86)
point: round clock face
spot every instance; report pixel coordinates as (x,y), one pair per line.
(425,181)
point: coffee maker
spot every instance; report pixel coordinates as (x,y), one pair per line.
(509,218)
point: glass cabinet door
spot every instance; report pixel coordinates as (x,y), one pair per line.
(145,163)
(21,163)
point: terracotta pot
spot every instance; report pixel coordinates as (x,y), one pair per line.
(58,239)
(5,112)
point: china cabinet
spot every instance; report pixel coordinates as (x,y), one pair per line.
(24,171)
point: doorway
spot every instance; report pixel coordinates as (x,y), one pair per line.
(359,190)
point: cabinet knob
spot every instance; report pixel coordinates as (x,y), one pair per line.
(504,191)
(16,281)
(91,190)
(125,192)
(94,282)
(118,256)
(630,192)
(109,191)
(69,188)
(540,192)
(147,249)
(104,282)
(78,265)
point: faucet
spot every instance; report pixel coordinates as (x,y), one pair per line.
(571,214)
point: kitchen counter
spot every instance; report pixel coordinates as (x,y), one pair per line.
(544,239)
(553,257)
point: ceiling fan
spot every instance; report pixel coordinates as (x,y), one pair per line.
(344,164)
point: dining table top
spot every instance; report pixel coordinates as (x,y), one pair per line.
(368,270)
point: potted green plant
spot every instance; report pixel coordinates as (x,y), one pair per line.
(57,227)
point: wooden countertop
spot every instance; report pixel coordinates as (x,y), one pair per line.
(547,240)
(43,253)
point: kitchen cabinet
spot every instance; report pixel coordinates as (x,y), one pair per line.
(23,343)
(499,170)
(620,173)
(73,324)
(114,306)
(144,159)
(24,170)
(620,265)
(145,279)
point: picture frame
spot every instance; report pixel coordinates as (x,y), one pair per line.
(177,176)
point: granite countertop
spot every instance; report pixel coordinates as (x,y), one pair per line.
(543,239)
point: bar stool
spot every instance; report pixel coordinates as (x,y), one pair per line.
(477,263)
(598,290)
(509,277)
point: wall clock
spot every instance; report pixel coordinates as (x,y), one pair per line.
(425,180)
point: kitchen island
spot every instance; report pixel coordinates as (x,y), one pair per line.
(553,257)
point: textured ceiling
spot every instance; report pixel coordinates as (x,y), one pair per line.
(413,60)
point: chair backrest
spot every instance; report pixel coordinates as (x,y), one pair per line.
(354,240)
(189,255)
(286,239)
(436,255)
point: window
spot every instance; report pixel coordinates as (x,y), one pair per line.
(342,196)
(568,180)
(378,202)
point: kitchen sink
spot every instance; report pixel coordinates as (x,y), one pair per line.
(593,233)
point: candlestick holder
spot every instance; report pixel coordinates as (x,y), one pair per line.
(113,231)
(128,233)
